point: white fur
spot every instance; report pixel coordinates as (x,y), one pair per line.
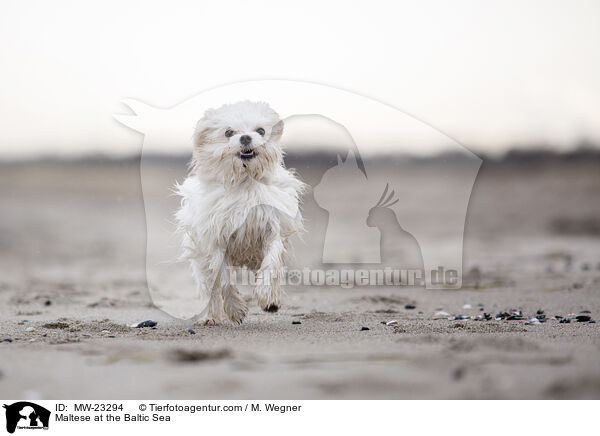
(235,212)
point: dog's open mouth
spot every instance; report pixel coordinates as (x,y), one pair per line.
(247,154)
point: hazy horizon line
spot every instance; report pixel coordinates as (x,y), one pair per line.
(530,151)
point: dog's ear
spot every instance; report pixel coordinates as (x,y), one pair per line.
(200,133)
(277,131)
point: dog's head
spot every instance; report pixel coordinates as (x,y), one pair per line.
(236,141)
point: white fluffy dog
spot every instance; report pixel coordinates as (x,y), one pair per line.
(239,207)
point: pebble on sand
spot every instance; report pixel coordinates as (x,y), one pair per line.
(147,323)
(583,318)
(190,331)
(533,321)
(363,328)
(296,322)
(410,306)
(512,315)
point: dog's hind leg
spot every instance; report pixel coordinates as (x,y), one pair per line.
(268,288)
(213,314)
(206,275)
(234,304)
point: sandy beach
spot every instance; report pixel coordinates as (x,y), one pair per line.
(72,280)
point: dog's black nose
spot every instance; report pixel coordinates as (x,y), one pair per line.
(245,139)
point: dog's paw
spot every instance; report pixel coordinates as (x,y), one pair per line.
(268,302)
(267,297)
(235,307)
(206,322)
(271,308)
(236,312)
(237,316)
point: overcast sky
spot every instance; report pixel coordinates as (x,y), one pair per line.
(489,74)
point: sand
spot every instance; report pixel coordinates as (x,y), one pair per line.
(72,259)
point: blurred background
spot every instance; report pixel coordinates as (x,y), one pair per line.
(493,75)
(517,83)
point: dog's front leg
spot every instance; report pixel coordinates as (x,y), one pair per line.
(268,287)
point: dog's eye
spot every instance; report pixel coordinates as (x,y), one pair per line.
(229,133)
(260,131)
